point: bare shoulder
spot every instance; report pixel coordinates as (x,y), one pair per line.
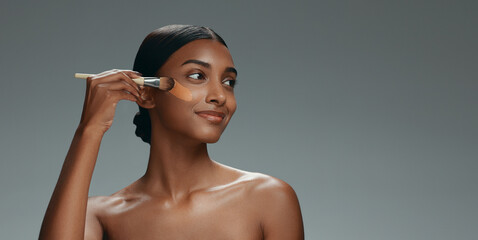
(101,204)
(97,204)
(267,189)
(101,208)
(93,225)
(277,205)
(269,185)
(260,185)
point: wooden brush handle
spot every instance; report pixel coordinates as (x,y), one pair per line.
(82,75)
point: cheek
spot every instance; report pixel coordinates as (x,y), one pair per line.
(178,116)
(231,104)
(173,112)
(198,93)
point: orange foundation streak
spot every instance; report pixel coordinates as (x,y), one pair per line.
(181,92)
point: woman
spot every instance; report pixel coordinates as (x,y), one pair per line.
(183,194)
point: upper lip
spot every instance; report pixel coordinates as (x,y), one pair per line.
(214,113)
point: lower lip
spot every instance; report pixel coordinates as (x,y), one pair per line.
(211,118)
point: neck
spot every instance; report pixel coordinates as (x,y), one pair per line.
(177,166)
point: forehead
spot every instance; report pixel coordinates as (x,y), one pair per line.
(206,50)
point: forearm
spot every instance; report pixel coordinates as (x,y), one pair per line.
(66,212)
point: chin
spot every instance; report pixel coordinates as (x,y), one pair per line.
(210,139)
(209,136)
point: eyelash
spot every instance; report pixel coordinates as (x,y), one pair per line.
(232,82)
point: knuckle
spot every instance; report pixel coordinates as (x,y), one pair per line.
(132,98)
(93,84)
(127,95)
(99,85)
(91,78)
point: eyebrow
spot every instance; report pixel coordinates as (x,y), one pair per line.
(207,65)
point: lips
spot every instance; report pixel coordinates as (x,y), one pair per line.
(212,116)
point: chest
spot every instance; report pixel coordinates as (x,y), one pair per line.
(195,218)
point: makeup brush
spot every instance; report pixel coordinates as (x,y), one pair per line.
(163,83)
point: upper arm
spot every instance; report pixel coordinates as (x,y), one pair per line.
(93,227)
(281,216)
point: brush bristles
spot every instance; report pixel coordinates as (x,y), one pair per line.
(166,83)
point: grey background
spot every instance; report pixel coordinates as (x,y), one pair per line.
(367,108)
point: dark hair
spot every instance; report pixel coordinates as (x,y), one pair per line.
(156,48)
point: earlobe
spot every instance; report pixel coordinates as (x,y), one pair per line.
(147,100)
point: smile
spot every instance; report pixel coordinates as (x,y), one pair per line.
(212,116)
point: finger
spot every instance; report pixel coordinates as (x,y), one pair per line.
(106,76)
(118,85)
(123,95)
(125,75)
(128,76)
(114,76)
(105,73)
(129,72)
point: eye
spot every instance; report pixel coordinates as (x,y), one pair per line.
(197,76)
(230,82)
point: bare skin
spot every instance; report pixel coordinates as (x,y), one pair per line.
(183,194)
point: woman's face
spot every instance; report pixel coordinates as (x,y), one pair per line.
(206,68)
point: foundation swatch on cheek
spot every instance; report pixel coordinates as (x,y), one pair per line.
(181,92)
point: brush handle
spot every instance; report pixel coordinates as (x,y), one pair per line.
(139,81)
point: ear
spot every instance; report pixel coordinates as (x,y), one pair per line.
(147,96)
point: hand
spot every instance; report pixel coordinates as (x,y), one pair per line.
(103,92)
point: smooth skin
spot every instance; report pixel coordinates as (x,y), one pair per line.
(183,194)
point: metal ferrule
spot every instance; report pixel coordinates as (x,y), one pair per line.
(151,82)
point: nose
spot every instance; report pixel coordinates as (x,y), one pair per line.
(216,94)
